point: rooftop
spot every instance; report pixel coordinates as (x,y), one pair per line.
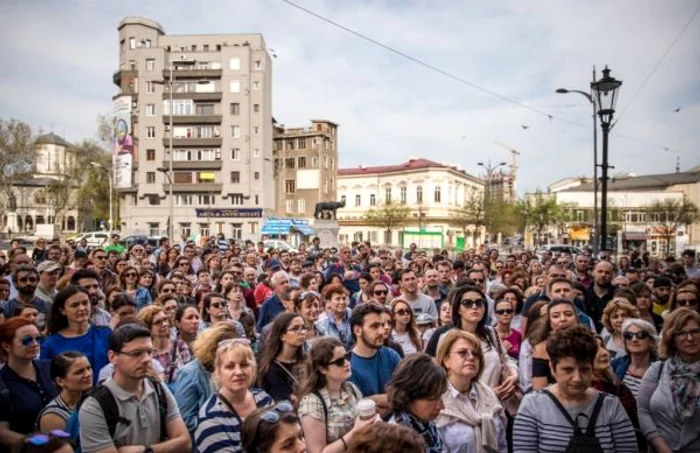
(414,163)
(52,139)
(644,181)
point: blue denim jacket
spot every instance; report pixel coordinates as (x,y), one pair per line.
(142,297)
(620,365)
(191,390)
(343,332)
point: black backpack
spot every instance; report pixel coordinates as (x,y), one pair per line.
(581,442)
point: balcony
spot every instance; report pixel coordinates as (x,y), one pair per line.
(124,76)
(193,119)
(194,164)
(204,187)
(133,189)
(215,96)
(214,142)
(184,74)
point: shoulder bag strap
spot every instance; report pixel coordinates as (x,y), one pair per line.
(173,357)
(590,429)
(562,409)
(230,407)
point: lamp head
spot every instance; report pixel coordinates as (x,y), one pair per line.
(562,90)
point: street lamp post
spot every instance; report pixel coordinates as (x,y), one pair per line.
(594,236)
(109,178)
(490,170)
(605,91)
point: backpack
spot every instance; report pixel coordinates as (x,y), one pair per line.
(581,442)
(108,404)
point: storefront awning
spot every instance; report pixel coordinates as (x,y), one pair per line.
(284,226)
(636,237)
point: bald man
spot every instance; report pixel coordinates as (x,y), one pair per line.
(600,292)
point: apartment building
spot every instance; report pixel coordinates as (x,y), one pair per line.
(305,167)
(221,113)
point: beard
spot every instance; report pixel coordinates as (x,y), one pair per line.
(367,340)
(27,290)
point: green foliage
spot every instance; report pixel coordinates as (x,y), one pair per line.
(388,216)
(540,211)
(669,215)
(17,158)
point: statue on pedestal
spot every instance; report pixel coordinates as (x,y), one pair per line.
(326,210)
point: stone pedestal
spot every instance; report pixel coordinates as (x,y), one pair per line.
(327,232)
(12,223)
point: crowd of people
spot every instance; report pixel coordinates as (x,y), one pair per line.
(227,346)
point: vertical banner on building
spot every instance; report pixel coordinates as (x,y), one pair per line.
(123,142)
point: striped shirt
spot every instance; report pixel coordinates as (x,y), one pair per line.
(540,427)
(218,430)
(57,407)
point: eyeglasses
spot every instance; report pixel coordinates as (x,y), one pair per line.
(31,279)
(687,302)
(41,439)
(231,341)
(381,293)
(160,322)
(504,312)
(216,305)
(298,329)
(99,257)
(138,353)
(131,275)
(402,312)
(688,334)
(339,362)
(183,264)
(469,303)
(464,353)
(28,340)
(638,335)
(169,309)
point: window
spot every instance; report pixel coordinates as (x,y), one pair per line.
(237,230)
(150,64)
(290,186)
(235,86)
(326,162)
(290,144)
(256,108)
(314,162)
(204,109)
(257,200)
(387,195)
(301,206)
(235,64)
(256,175)
(256,152)
(237,199)
(235,177)
(256,130)
(183,177)
(180,107)
(256,85)
(150,110)
(302,143)
(372,236)
(183,200)
(132,43)
(150,177)
(419,194)
(194,47)
(289,206)
(253,228)
(235,131)
(205,47)
(258,64)
(150,87)
(151,132)
(402,194)
(358,200)
(185,229)
(289,162)
(372,200)
(301,162)
(147,43)
(154,229)
(154,200)
(357,236)
(438,194)
(150,154)
(235,154)
(207,199)
(235,108)
(343,198)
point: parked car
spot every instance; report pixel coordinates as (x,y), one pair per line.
(279,245)
(127,241)
(559,248)
(93,238)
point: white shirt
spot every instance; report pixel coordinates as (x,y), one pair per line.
(405,341)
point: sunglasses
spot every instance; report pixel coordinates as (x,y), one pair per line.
(28,340)
(504,312)
(131,275)
(687,303)
(216,305)
(28,279)
(138,353)
(298,329)
(638,335)
(688,334)
(402,312)
(273,415)
(41,439)
(230,341)
(381,293)
(468,303)
(167,290)
(339,362)
(183,264)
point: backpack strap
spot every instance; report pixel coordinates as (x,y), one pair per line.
(162,406)
(590,429)
(325,410)
(565,413)
(109,407)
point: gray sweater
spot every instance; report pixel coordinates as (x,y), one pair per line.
(658,415)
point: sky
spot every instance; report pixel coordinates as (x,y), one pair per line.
(496,66)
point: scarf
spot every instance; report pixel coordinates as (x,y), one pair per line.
(481,417)
(685,386)
(427,430)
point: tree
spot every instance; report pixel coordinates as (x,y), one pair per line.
(92,197)
(471,213)
(539,211)
(388,216)
(500,217)
(669,215)
(17,159)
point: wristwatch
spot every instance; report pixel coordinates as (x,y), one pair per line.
(148,449)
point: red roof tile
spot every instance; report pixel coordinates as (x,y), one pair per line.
(412,164)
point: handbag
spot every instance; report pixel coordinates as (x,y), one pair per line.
(512,402)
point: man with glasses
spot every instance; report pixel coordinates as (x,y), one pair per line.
(39,251)
(147,412)
(379,292)
(26,279)
(49,272)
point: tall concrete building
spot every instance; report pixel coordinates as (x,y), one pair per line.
(221,134)
(306,160)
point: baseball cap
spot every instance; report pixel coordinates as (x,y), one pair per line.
(48,266)
(423,319)
(80,254)
(273,264)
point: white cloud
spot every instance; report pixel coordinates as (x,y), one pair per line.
(60,56)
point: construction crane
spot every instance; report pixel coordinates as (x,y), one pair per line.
(513,166)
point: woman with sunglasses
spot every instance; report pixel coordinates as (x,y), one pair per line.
(221,418)
(283,360)
(213,310)
(669,395)
(686,296)
(328,403)
(308,305)
(511,338)
(72,373)
(274,429)
(640,344)
(171,354)
(70,329)
(614,314)
(27,381)
(129,279)
(405,331)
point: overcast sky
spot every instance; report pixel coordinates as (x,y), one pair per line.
(59,56)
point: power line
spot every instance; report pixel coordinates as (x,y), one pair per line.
(658,64)
(456,77)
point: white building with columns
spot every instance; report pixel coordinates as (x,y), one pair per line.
(433,192)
